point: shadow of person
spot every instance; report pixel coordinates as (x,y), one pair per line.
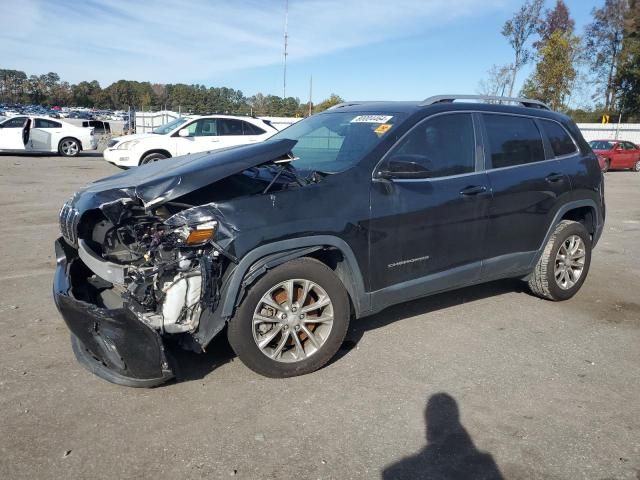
(450,453)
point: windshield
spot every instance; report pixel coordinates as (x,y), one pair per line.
(601,145)
(334,142)
(168,127)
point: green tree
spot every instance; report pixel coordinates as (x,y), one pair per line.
(518,30)
(604,38)
(327,103)
(555,72)
(628,77)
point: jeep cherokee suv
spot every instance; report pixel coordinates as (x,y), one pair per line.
(339,216)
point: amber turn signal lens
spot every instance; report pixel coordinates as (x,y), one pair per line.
(196,237)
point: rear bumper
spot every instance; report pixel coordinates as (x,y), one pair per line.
(110,342)
(91,144)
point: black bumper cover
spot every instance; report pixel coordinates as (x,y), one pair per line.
(112,343)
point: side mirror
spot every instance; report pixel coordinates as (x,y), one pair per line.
(183,133)
(405,167)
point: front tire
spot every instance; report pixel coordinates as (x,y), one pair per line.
(607,166)
(636,166)
(564,264)
(292,321)
(153,157)
(69,147)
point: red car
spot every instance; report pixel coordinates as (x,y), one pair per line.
(617,154)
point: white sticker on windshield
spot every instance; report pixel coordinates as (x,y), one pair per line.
(372,119)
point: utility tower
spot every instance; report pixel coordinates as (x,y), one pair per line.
(286,39)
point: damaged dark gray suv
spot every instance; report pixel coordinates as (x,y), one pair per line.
(347,212)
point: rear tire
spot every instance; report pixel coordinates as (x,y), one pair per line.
(153,157)
(264,329)
(607,166)
(636,166)
(69,147)
(558,275)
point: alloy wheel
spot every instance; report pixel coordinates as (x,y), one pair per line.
(569,263)
(69,147)
(292,320)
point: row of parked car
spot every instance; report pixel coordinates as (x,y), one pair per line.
(194,134)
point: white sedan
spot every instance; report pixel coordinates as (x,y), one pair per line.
(187,135)
(26,134)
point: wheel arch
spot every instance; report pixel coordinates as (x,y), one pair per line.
(69,137)
(332,251)
(155,150)
(580,211)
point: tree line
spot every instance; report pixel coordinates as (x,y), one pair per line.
(48,90)
(605,58)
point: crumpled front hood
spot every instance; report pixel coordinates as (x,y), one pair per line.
(166,180)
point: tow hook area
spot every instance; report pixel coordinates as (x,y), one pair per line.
(110,342)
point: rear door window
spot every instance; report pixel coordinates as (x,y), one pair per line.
(560,140)
(229,127)
(43,123)
(512,140)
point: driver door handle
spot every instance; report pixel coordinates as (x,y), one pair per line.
(473,190)
(554,177)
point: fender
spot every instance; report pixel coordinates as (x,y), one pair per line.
(258,260)
(599,223)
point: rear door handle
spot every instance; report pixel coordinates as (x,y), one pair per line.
(473,190)
(554,177)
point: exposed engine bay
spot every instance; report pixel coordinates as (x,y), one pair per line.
(170,268)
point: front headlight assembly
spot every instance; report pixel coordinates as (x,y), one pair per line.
(127,145)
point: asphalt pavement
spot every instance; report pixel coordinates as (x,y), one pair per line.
(484,382)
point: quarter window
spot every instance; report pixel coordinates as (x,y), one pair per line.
(444,145)
(560,140)
(251,129)
(512,140)
(42,123)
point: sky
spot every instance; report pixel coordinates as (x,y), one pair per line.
(358,49)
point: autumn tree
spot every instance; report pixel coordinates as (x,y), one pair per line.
(497,81)
(628,77)
(604,38)
(555,71)
(518,30)
(556,19)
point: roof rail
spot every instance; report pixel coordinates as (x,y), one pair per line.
(525,102)
(350,104)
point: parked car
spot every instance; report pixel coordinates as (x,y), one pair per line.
(341,215)
(187,135)
(617,154)
(99,127)
(39,134)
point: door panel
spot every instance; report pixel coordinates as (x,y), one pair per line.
(15,138)
(419,228)
(203,136)
(527,190)
(430,232)
(40,140)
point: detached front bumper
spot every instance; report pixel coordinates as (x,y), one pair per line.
(110,342)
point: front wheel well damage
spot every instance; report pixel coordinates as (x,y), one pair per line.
(330,256)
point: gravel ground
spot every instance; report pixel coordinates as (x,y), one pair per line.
(486,380)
